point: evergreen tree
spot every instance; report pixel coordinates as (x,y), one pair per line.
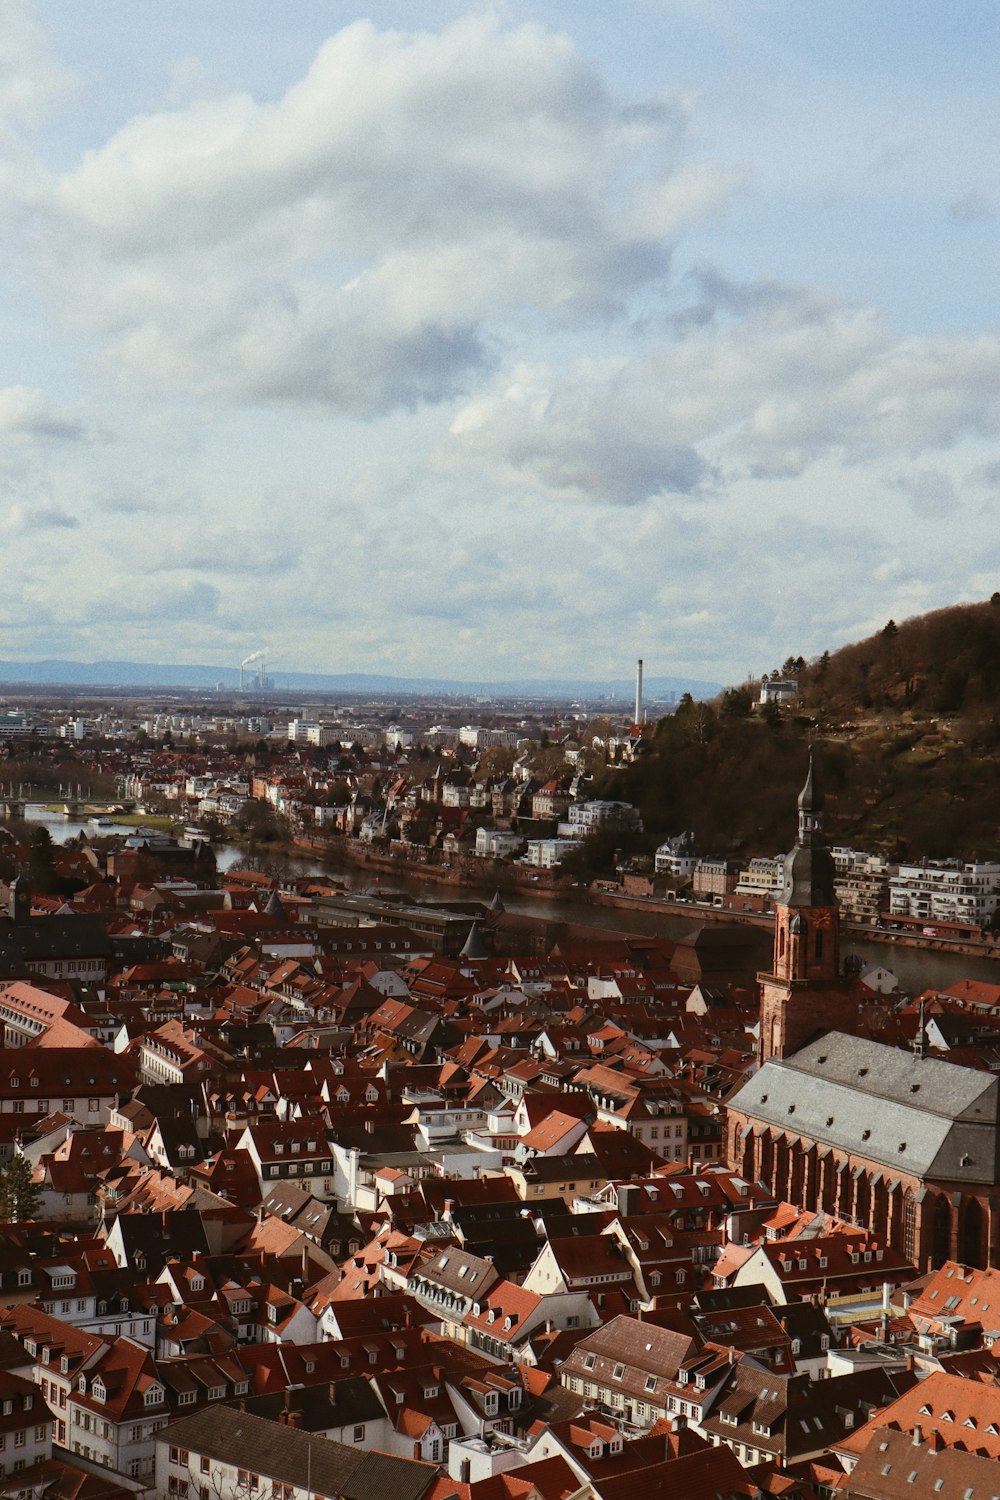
(41,861)
(19,1194)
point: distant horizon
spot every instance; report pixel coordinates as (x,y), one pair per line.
(204,676)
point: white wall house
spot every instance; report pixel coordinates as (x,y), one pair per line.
(946,891)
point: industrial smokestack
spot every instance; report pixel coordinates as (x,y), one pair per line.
(639,710)
(248,661)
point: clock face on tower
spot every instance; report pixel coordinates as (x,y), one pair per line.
(821,917)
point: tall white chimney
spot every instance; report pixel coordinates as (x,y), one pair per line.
(639,711)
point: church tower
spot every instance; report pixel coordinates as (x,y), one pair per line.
(804,993)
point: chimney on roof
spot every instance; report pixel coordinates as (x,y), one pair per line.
(918,1435)
(294,1419)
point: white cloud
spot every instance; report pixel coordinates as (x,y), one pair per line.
(26,413)
(21,518)
(362,242)
(574,439)
(782,382)
(32,81)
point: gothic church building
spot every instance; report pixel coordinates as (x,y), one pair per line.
(892,1141)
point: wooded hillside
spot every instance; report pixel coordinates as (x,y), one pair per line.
(908,724)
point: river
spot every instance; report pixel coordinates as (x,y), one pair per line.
(915,968)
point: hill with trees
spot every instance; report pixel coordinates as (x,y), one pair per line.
(908,725)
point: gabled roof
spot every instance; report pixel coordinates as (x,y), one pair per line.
(290,1456)
(916,1115)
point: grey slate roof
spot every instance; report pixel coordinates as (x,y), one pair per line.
(42,939)
(292,1456)
(915,1115)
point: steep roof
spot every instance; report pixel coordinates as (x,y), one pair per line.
(292,1456)
(916,1115)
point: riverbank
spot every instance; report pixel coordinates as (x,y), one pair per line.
(548,885)
(708,912)
(478,874)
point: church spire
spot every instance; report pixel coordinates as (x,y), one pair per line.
(811,799)
(809,869)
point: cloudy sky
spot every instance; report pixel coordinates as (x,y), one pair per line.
(520,341)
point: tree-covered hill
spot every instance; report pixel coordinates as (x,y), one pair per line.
(946,662)
(908,728)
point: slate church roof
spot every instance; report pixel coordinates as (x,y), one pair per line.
(913,1115)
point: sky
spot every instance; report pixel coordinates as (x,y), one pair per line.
(494,341)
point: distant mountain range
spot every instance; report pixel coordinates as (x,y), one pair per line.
(132,674)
